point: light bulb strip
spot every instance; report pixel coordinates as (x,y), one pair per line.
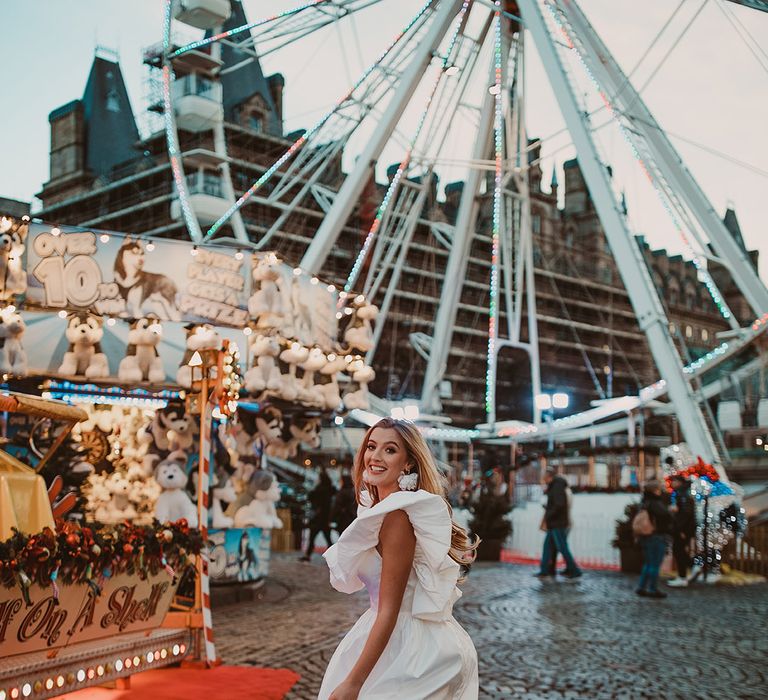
(395,182)
(697,260)
(314,129)
(243,28)
(498,132)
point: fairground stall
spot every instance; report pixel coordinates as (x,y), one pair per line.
(187,369)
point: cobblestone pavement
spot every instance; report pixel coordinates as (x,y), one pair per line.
(591,638)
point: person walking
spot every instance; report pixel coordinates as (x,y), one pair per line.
(344,504)
(320,500)
(654,543)
(407,551)
(556,523)
(683,528)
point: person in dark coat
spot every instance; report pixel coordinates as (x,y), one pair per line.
(556,523)
(344,505)
(654,546)
(320,500)
(683,528)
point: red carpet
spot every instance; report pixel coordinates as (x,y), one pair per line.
(221,683)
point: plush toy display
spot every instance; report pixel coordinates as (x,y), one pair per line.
(13,234)
(263,492)
(302,431)
(13,357)
(84,356)
(362,375)
(201,336)
(142,361)
(359,333)
(265,304)
(264,375)
(174,503)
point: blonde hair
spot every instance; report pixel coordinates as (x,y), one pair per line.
(462,549)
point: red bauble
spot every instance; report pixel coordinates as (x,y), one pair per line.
(127,548)
(73,540)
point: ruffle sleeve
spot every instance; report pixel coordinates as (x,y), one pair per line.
(436,572)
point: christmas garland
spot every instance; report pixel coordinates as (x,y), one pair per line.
(78,554)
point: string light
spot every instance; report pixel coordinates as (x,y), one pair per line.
(394,184)
(498,129)
(310,132)
(698,262)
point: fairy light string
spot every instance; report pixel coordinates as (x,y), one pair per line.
(314,129)
(394,184)
(493,310)
(245,27)
(698,262)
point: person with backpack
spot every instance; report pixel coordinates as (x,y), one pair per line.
(683,528)
(652,526)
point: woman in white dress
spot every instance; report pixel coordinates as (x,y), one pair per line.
(405,549)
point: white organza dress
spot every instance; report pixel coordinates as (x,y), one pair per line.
(429,655)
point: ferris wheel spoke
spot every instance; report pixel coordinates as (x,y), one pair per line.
(411,28)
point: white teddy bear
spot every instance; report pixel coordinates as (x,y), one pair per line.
(120,507)
(330,389)
(363,375)
(260,512)
(200,337)
(174,503)
(359,333)
(84,356)
(293,356)
(13,357)
(309,393)
(265,304)
(264,375)
(142,361)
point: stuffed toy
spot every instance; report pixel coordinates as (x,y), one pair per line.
(328,384)
(264,375)
(13,234)
(120,507)
(222,490)
(173,503)
(269,424)
(308,392)
(171,429)
(293,356)
(302,431)
(13,357)
(362,375)
(359,333)
(244,433)
(263,491)
(200,337)
(84,356)
(142,361)
(265,304)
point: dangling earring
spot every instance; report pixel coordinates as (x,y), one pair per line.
(408,481)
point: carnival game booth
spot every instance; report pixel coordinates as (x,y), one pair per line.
(79,605)
(144,337)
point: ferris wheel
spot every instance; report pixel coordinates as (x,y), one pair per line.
(452,59)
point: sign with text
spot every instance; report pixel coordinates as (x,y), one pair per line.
(126,604)
(129,277)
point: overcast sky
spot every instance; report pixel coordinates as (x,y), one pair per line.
(710,88)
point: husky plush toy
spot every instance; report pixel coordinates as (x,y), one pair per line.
(84,356)
(174,503)
(13,357)
(142,361)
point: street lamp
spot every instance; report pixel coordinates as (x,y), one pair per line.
(548,404)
